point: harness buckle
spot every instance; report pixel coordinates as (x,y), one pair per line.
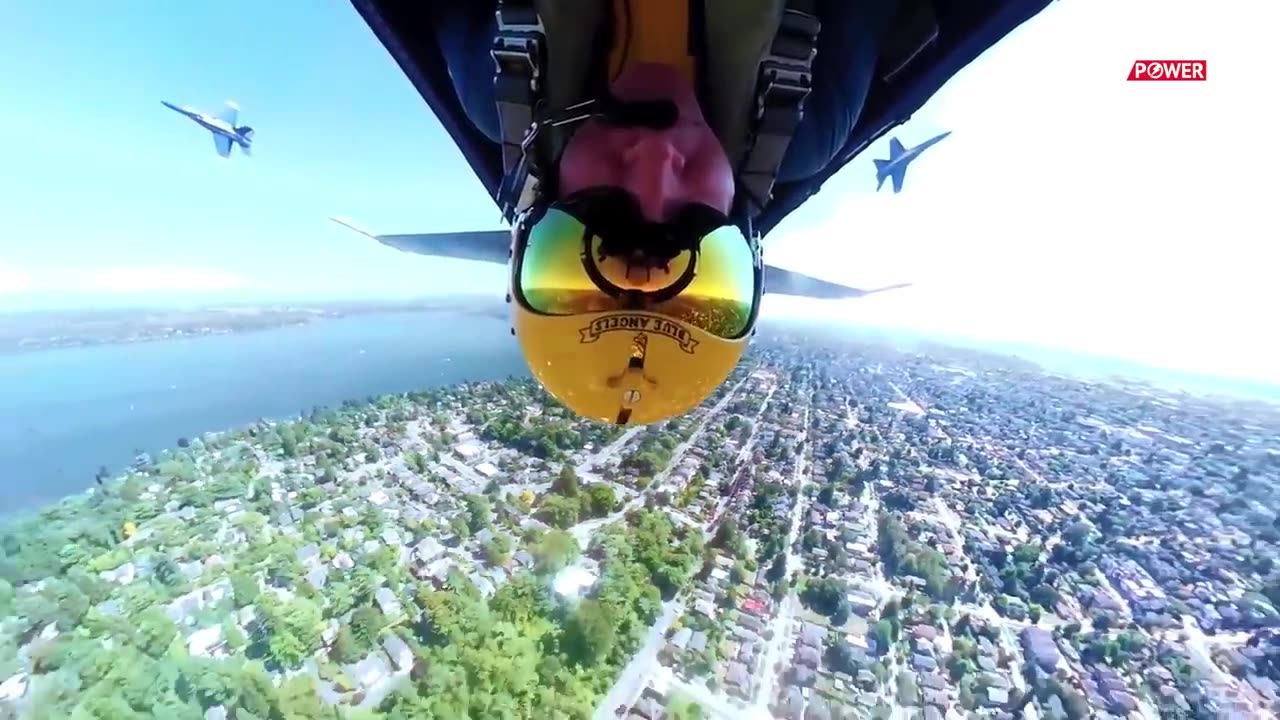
(518,44)
(783,84)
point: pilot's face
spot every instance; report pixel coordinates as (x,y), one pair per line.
(664,170)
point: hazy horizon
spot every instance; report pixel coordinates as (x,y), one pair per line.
(1051,357)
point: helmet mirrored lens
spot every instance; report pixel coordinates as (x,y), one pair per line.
(552,279)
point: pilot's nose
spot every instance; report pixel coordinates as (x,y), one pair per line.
(652,170)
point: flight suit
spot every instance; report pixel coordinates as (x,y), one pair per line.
(848,48)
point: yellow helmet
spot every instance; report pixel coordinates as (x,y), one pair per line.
(627,336)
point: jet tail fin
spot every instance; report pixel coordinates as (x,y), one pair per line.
(882,172)
(230,114)
(886,169)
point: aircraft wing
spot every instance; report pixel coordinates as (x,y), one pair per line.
(899,174)
(778,281)
(494,246)
(223,144)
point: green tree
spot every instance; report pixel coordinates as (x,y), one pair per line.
(498,550)
(560,511)
(555,551)
(458,524)
(59,601)
(601,499)
(244,588)
(97,707)
(258,696)
(293,630)
(479,513)
(417,462)
(590,633)
(523,599)
(366,622)
(726,534)
(211,682)
(777,569)
(345,648)
(234,636)
(155,632)
(298,699)
(682,708)
(1034,612)
(253,523)
(882,633)
(827,494)
(1027,553)
(288,442)
(566,482)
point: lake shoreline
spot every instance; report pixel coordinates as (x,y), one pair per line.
(34,332)
(80,409)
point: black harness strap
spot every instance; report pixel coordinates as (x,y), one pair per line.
(518,55)
(785,79)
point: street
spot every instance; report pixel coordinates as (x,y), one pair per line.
(644,663)
(776,650)
(583,468)
(631,681)
(713,705)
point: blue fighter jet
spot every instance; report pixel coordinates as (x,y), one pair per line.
(223,126)
(899,158)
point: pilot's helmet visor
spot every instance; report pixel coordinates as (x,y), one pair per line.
(560,269)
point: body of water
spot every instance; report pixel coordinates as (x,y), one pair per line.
(64,413)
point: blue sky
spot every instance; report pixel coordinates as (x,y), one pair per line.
(103,181)
(1069,208)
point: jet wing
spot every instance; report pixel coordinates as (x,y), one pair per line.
(223,144)
(494,246)
(778,281)
(899,175)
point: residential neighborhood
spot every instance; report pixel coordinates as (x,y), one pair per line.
(843,531)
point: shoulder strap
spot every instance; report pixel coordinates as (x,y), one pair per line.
(575,32)
(525,79)
(783,83)
(518,48)
(735,36)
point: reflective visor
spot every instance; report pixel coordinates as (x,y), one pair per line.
(552,278)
